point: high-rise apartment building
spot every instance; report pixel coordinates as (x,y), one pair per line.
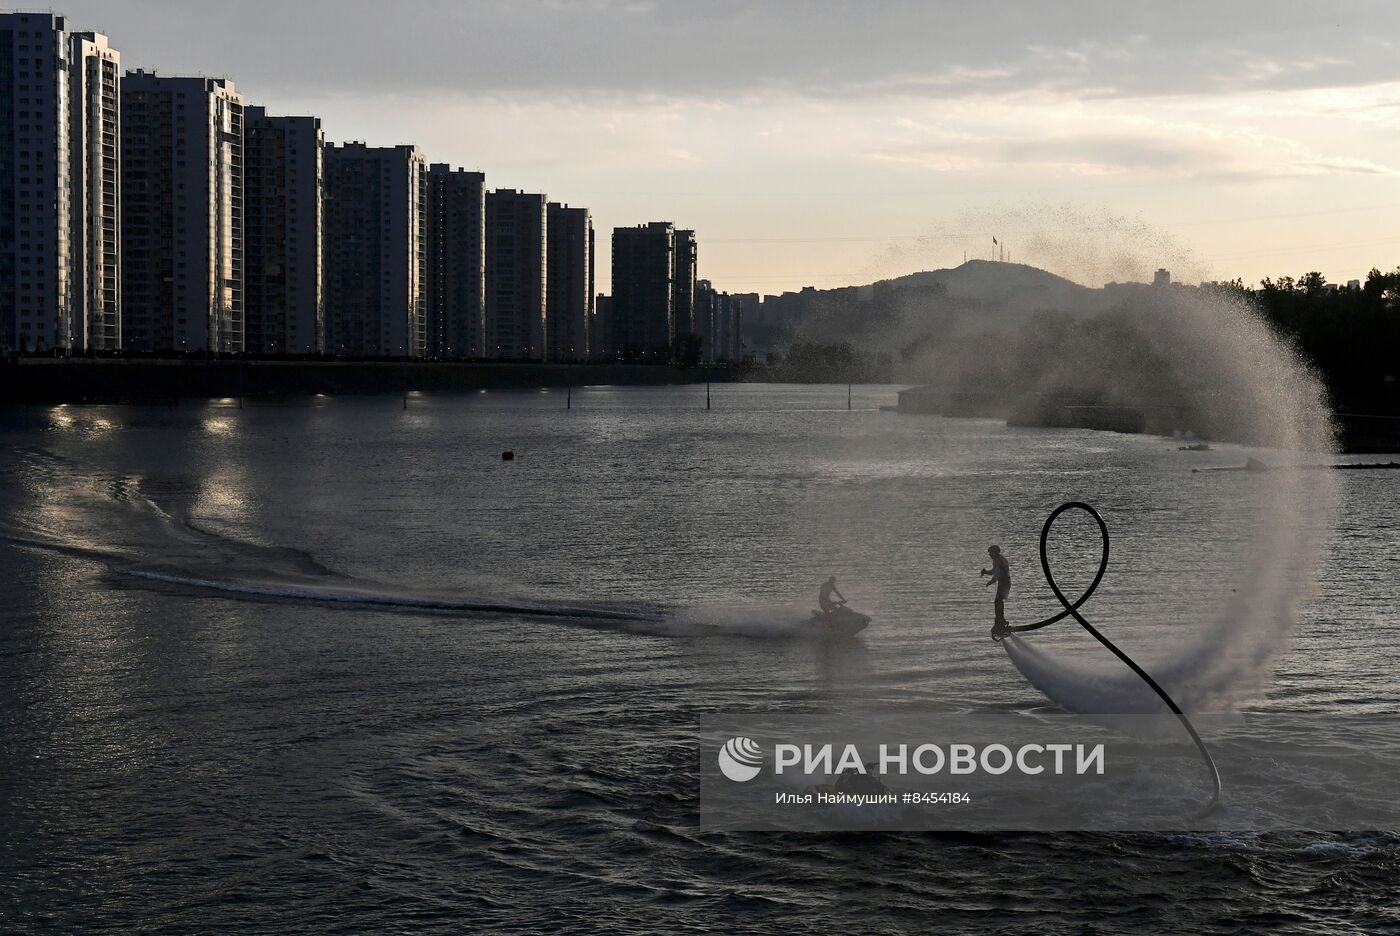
(570,288)
(284,299)
(94,71)
(35,243)
(729,328)
(643,294)
(719,323)
(706,306)
(516,275)
(60,191)
(456,263)
(376,250)
(683,286)
(182,213)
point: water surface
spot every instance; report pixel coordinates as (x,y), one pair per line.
(331,665)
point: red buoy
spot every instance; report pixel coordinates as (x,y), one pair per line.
(507,456)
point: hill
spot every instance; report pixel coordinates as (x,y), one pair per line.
(892,314)
(993,281)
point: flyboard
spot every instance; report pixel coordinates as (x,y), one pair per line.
(842,622)
(1071,609)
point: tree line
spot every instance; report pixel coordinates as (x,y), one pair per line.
(1350,335)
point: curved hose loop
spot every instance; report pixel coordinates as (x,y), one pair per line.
(1072,610)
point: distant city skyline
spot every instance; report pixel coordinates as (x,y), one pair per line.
(825,145)
(226,230)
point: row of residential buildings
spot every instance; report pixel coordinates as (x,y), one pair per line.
(143,212)
(658,300)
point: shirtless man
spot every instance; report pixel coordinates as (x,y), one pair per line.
(1000,573)
(824,599)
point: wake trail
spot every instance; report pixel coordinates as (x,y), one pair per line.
(199,562)
(370,597)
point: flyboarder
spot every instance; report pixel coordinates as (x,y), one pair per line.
(1000,573)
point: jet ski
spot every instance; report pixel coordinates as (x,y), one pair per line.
(842,622)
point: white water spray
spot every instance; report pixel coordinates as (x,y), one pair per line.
(1254,388)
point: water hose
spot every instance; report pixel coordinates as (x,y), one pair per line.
(1071,609)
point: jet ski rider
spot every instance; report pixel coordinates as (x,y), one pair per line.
(824,598)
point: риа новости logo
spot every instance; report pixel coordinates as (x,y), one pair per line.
(740,759)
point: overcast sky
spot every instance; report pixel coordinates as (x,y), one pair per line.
(821,143)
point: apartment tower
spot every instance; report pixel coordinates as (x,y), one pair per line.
(570,289)
(284,221)
(60,187)
(182,214)
(643,296)
(456,263)
(516,275)
(94,73)
(376,250)
(683,301)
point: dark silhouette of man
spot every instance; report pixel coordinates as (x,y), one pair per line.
(824,598)
(1000,573)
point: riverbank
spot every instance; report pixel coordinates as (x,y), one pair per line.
(1358,432)
(58,380)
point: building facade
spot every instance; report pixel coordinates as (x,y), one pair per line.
(60,188)
(35,226)
(706,306)
(728,329)
(95,201)
(569,306)
(719,321)
(683,301)
(643,294)
(284,299)
(456,263)
(376,251)
(182,214)
(517,291)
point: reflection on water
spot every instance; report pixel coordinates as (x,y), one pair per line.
(424,688)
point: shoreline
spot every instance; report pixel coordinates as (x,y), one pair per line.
(1358,433)
(116,380)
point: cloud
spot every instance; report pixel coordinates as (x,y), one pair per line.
(1239,138)
(1108,154)
(726,47)
(1345,165)
(1091,154)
